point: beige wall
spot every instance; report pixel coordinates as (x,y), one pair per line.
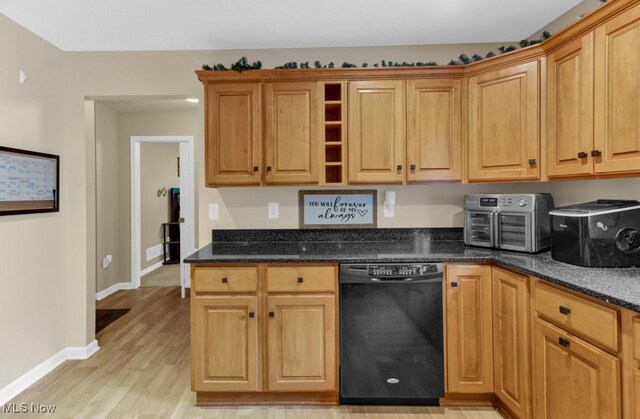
(158,169)
(34,263)
(568,18)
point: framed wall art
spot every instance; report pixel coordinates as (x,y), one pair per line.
(338,209)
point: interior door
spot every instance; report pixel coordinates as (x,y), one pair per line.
(187,239)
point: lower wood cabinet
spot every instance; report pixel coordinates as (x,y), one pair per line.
(573,378)
(301,342)
(512,341)
(268,331)
(468,335)
(224,337)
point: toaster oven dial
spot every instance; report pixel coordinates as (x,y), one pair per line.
(522,202)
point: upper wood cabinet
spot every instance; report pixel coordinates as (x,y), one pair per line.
(570,108)
(232,146)
(434,126)
(504,124)
(468,323)
(376,131)
(617,98)
(512,341)
(292,132)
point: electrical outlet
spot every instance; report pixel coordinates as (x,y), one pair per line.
(214,211)
(274,210)
(389,210)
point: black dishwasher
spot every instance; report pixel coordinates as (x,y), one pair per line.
(391,342)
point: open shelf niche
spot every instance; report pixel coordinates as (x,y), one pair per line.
(334,119)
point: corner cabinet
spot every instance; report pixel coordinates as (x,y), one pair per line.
(504,124)
(264,334)
(376,131)
(292,132)
(232,146)
(468,329)
(434,130)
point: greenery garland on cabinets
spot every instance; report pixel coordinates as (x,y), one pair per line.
(243,64)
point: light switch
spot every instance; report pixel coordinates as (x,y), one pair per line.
(274,210)
(389,210)
(214,211)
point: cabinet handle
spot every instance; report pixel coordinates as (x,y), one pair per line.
(596,153)
(532,161)
(582,155)
(268,168)
(413,168)
(399,168)
(564,342)
(300,280)
(255,168)
(565,310)
(272,314)
(225,280)
(454,284)
(252,314)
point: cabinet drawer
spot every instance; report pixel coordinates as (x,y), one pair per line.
(636,339)
(591,320)
(301,279)
(226,279)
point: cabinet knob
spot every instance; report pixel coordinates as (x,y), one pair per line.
(532,161)
(413,168)
(454,284)
(300,280)
(252,314)
(255,168)
(582,155)
(596,153)
(565,310)
(272,314)
(225,280)
(564,342)
(268,168)
(399,168)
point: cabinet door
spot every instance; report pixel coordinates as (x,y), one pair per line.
(434,130)
(469,352)
(232,147)
(224,350)
(511,341)
(617,102)
(573,378)
(570,109)
(504,140)
(292,131)
(376,121)
(301,341)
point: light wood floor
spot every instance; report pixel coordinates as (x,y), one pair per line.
(164,276)
(142,370)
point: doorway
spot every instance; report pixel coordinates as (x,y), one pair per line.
(186,207)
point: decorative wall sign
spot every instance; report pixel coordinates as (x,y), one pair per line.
(29,182)
(338,209)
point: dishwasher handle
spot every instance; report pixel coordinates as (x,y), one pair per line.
(412,279)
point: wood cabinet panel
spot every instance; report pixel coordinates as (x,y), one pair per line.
(376,131)
(570,103)
(292,132)
(232,147)
(301,342)
(224,346)
(636,338)
(591,320)
(434,130)
(504,124)
(301,279)
(573,378)
(511,341)
(231,279)
(617,102)
(468,340)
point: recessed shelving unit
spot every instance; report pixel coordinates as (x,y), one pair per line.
(334,162)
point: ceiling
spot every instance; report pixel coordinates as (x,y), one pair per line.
(147,25)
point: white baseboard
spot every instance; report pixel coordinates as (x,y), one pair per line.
(154,252)
(115,287)
(13,389)
(150,269)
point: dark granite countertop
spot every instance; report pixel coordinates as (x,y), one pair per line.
(619,286)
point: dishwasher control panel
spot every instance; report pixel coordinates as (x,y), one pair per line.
(398,270)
